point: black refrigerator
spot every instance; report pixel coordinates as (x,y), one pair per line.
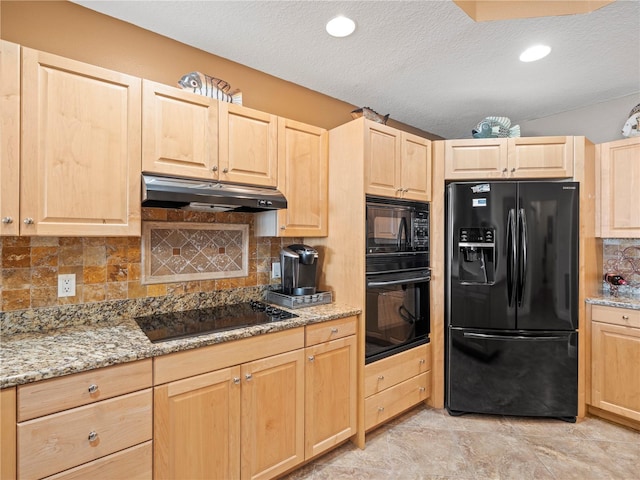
(512,298)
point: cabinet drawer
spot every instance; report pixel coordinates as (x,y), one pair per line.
(176,366)
(57,394)
(618,316)
(60,441)
(327,331)
(395,369)
(394,400)
(133,464)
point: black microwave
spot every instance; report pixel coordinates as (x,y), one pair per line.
(396,226)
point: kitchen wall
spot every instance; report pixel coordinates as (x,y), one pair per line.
(600,123)
(622,256)
(109,268)
(70,30)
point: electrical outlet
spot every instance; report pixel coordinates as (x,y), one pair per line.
(67,285)
(275,270)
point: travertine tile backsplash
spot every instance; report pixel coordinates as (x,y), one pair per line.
(622,256)
(110,268)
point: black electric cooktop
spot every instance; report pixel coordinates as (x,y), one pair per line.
(189,323)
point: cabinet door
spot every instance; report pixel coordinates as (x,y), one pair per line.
(272,415)
(415,172)
(382,160)
(81,160)
(540,157)
(180,132)
(248,146)
(620,188)
(9,137)
(303,173)
(197,427)
(330,407)
(8,433)
(475,159)
(614,369)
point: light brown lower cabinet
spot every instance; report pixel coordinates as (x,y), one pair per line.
(330,392)
(245,421)
(615,357)
(395,384)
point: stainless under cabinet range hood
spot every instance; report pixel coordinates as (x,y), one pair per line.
(209,196)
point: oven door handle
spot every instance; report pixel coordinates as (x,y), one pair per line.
(398,282)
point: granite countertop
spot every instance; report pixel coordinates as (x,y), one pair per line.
(32,356)
(622,301)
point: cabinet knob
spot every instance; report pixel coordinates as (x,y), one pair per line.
(504,170)
(225,170)
(380,377)
(311,358)
(282,227)
(236,380)
(405,190)
(422,389)
(625,317)
(7,220)
(381,409)
(422,361)
(399,189)
(93,388)
(513,170)
(334,330)
(28,221)
(214,168)
(93,436)
(248,376)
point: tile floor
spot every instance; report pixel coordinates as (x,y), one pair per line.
(427,443)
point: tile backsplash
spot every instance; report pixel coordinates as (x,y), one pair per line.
(110,268)
(622,256)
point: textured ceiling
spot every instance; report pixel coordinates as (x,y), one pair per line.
(424,62)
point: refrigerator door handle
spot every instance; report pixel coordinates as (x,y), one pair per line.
(522,265)
(511,247)
(486,336)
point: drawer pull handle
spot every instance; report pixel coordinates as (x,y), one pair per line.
(334,330)
(422,389)
(381,409)
(93,436)
(93,388)
(381,377)
(422,361)
(248,376)
(311,358)
(625,317)
(236,380)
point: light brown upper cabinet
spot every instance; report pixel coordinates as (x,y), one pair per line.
(80,149)
(619,188)
(9,138)
(247,146)
(509,158)
(303,173)
(397,164)
(180,132)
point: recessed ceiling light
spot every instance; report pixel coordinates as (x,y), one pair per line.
(534,53)
(340,26)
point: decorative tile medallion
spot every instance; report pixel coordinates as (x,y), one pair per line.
(178,252)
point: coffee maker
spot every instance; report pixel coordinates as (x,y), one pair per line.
(298,264)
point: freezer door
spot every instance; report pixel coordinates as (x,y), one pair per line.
(480,256)
(548,230)
(513,374)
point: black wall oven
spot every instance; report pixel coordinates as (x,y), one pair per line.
(397,277)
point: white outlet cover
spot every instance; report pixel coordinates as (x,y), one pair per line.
(67,285)
(275,270)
